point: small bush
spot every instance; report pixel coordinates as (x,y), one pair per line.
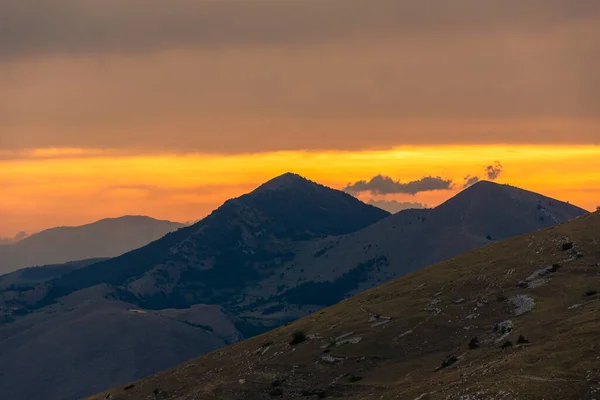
(506,345)
(276,392)
(326,351)
(311,393)
(276,383)
(267,344)
(501,297)
(567,246)
(354,378)
(591,292)
(474,343)
(128,387)
(522,340)
(297,337)
(555,267)
(448,362)
(489,237)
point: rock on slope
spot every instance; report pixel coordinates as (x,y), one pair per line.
(106,238)
(461,329)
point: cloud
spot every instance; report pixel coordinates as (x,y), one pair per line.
(235,76)
(494,170)
(470,180)
(381,185)
(17,238)
(121,26)
(394,206)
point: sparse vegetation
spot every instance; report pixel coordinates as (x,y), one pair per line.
(522,340)
(567,246)
(474,343)
(450,360)
(129,387)
(591,292)
(297,337)
(506,345)
(276,383)
(276,392)
(555,267)
(354,378)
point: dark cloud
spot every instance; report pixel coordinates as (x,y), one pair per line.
(381,185)
(494,170)
(76,26)
(470,181)
(394,206)
(234,76)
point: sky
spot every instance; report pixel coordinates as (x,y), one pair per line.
(113,107)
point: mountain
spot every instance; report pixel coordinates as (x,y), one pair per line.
(289,248)
(106,238)
(245,240)
(93,316)
(513,320)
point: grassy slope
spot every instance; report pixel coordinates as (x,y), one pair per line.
(398,359)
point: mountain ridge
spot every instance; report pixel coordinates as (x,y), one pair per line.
(463,329)
(256,273)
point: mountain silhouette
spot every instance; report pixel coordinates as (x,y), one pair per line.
(279,253)
(105,238)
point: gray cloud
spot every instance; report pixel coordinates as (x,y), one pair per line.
(75,26)
(494,170)
(470,181)
(394,206)
(491,173)
(233,76)
(381,185)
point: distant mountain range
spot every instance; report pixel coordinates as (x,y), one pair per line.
(287,249)
(106,238)
(516,320)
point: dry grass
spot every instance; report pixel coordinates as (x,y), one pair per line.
(562,360)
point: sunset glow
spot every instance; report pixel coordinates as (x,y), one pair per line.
(49,187)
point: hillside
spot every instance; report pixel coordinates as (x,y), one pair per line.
(516,319)
(105,238)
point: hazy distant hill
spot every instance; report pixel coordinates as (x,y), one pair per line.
(516,320)
(105,238)
(287,249)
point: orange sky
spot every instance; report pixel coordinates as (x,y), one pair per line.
(112,107)
(50,187)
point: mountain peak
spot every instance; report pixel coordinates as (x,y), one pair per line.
(285,181)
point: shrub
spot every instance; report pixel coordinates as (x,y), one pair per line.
(130,386)
(474,343)
(267,344)
(354,378)
(555,267)
(522,340)
(276,392)
(501,297)
(297,337)
(448,362)
(506,345)
(591,292)
(276,383)
(489,237)
(567,246)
